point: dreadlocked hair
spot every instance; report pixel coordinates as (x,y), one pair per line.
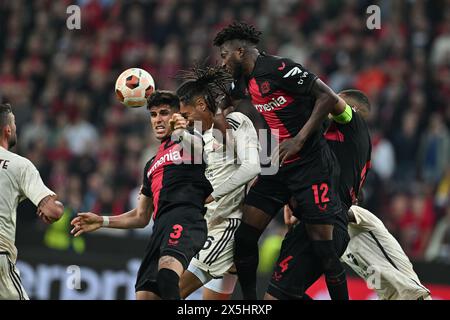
(210,83)
(237,31)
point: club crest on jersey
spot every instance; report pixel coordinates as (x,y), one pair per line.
(265,87)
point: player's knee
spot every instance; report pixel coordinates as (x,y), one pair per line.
(167,281)
(327,253)
(246,240)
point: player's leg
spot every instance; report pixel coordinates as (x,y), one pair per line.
(146,295)
(10,285)
(146,284)
(192,279)
(220,289)
(184,236)
(319,207)
(296,269)
(325,249)
(265,198)
(168,277)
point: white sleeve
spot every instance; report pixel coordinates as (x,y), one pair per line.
(366,220)
(32,185)
(247,148)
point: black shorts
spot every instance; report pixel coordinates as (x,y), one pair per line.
(179,233)
(313,186)
(298,267)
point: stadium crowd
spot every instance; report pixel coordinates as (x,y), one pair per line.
(91,150)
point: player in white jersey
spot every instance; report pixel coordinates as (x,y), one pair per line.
(230,166)
(19,179)
(376,256)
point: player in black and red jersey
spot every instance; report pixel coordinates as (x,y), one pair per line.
(294,103)
(352,146)
(175,189)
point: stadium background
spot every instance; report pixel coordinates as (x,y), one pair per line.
(91,150)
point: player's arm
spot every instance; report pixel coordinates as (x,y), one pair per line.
(32,186)
(136,218)
(189,141)
(326,102)
(295,79)
(50,209)
(246,142)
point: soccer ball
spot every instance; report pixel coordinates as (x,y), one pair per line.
(133,87)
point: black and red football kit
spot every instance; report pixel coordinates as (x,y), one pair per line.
(296,268)
(280,90)
(352,146)
(178,187)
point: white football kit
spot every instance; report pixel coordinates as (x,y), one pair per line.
(376,256)
(229,168)
(19,179)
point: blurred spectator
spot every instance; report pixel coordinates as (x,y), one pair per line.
(383,157)
(434,149)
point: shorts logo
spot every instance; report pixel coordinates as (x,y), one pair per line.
(176,234)
(283,65)
(265,87)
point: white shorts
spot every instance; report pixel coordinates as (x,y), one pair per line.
(224,285)
(10,285)
(216,257)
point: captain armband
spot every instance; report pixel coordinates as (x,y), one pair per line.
(344,117)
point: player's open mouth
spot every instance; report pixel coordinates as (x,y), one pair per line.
(160,129)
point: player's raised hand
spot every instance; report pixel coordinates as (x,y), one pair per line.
(289,219)
(285,150)
(85,222)
(178,122)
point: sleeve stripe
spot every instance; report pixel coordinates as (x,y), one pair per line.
(233,126)
(233,123)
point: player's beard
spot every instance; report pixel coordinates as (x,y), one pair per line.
(12,140)
(238,71)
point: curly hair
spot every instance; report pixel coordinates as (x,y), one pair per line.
(237,31)
(209,82)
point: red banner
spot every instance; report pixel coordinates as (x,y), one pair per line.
(358,290)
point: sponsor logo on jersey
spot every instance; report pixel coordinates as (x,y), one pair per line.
(293,72)
(275,103)
(170,157)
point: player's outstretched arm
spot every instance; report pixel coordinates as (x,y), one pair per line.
(136,218)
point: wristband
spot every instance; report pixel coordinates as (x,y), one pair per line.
(105,221)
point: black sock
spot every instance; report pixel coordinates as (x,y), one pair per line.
(167,281)
(246,258)
(337,283)
(333,269)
